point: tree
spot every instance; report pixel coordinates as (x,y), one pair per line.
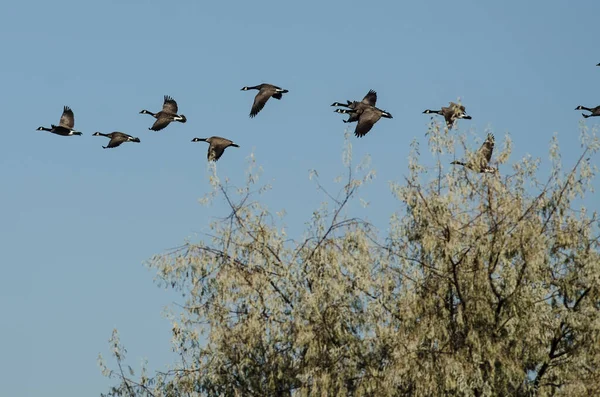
(485,285)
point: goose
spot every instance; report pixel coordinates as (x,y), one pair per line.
(480,163)
(65,125)
(451,113)
(367,117)
(166,115)
(595,111)
(116,138)
(217,146)
(265,91)
(369,100)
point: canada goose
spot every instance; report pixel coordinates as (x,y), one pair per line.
(595,111)
(65,125)
(480,163)
(451,113)
(265,91)
(166,115)
(369,100)
(217,146)
(367,117)
(116,138)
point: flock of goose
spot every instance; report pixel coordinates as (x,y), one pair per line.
(364,112)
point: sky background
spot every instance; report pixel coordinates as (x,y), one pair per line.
(77,222)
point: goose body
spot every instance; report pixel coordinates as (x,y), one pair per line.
(65,126)
(451,113)
(166,115)
(217,146)
(594,111)
(369,100)
(116,138)
(480,163)
(265,91)
(366,117)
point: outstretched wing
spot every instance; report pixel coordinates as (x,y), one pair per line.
(448,114)
(259,101)
(160,123)
(215,152)
(367,119)
(170,106)
(458,110)
(484,154)
(370,98)
(67,119)
(115,141)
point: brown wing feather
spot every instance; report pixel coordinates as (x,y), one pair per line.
(160,123)
(215,152)
(484,153)
(115,141)
(67,119)
(367,119)
(259,101)
(170,106)
(370,98)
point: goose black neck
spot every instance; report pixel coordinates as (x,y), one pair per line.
(459,163)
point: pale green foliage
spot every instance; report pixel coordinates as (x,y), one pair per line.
(484,285)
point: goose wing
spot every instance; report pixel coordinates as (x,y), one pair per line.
(370,98)
(215,151)
(67,119)
(484,154)
(367,119)
(160,123)
(261,98)
(169,105)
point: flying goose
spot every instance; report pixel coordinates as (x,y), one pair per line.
(366,116)
(217,146)
(480,162)
(595,111)
(265,91)
(451,113)
(369,100)
(65,125)
(116,138)
(166,115)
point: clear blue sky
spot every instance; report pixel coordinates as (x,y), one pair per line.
(78,221)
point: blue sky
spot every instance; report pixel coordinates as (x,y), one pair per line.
(77,221)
